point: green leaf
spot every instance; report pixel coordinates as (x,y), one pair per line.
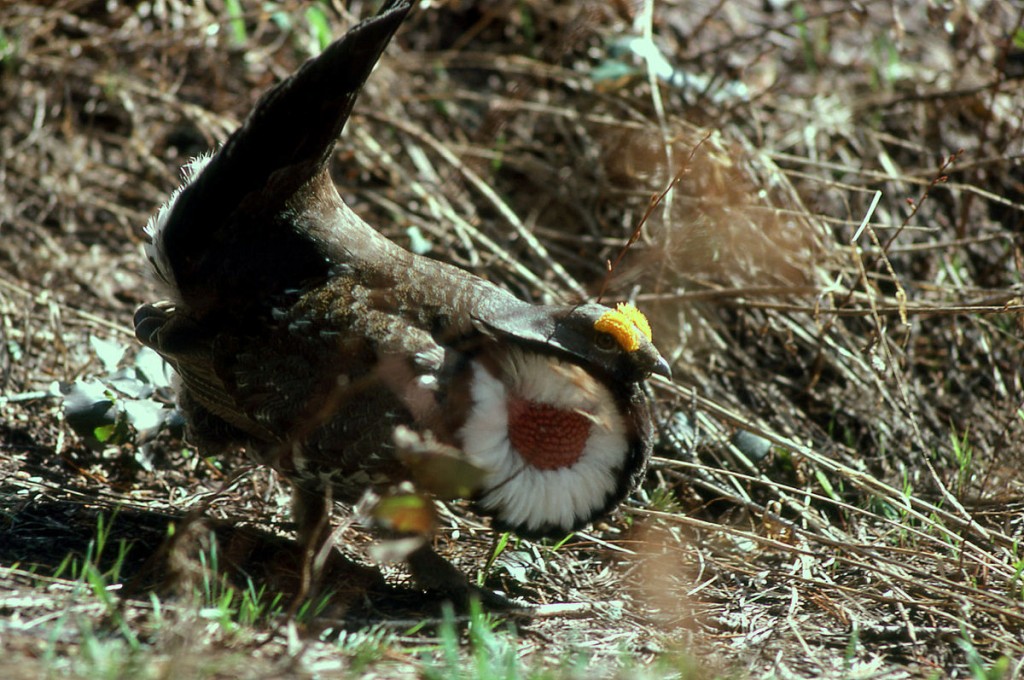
(319,29)
(104,432)
(436,467)
(406,513)
(826,485)
(237,22)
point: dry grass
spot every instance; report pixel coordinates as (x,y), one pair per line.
(836,276)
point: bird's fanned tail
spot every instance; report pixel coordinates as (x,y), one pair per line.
(284,144)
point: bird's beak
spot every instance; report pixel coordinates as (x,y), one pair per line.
(662,368)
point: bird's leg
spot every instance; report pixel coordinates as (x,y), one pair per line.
(436,574)
(311,510)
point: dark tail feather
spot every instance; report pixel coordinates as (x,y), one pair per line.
(285,142)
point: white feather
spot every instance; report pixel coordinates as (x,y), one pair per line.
(155,251)
(518,493)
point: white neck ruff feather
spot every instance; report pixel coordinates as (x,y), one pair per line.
(518,493)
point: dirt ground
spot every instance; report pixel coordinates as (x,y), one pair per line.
(836,278)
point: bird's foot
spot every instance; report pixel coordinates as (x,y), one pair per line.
(437,575)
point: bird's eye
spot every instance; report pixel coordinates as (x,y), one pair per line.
(606,342)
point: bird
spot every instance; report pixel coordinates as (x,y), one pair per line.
(301,334)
